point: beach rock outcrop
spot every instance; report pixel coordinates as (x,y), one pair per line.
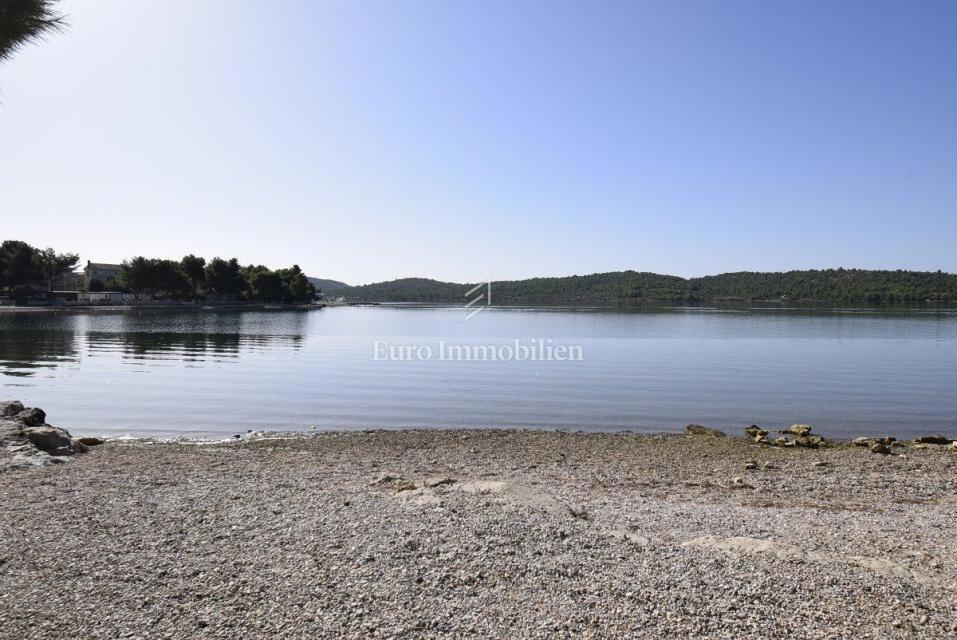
(32,417)
(10,408)
(25,433)
(50,439)
(700,430)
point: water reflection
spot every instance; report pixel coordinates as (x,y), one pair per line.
(23,353)
(188,347)
(34,342)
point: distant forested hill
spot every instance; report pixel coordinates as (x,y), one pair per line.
(327,286)
(846,285)
(632,287)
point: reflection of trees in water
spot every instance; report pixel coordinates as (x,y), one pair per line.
(189,347)
(22,353)
(35,341)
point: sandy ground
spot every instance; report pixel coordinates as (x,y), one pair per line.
(525,534)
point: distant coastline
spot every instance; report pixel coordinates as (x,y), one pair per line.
(630,288)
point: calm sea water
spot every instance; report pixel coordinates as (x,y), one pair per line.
(164,373)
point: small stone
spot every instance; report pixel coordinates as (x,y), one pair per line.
(750,464)
(90,441)
(699,430)
(809,441)
(953,447)
(880,447)
(383,478)
(754,431)
(821,463)
(863,442)
(431,483)
(404,485)
(781,441)
(739,483)
(798,429)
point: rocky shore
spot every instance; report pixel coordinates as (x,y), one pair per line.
(504,534)
(26,440)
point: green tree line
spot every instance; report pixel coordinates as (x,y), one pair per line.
(194,278)
(633,287)
(25,269)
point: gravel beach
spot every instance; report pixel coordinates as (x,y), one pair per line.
(500,534)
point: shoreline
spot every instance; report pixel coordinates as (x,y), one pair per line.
(268,434)
(172,306)
(487,533)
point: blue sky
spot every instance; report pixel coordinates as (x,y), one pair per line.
(372,140)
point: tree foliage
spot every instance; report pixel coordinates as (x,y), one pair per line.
(225,277)
(26,21)
(632,287)
(194,268)
(24,268)
(221,279)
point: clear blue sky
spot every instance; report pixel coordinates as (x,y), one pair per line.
(463,140)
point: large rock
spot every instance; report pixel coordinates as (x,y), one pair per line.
(90,441)
(32,417)
(10,408)
(50,439)
(935,439)
(699,430)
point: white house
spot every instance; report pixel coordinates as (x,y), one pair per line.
(101,271)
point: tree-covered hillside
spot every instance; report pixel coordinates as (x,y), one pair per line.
(632,287)
(852,285)
(327,286)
